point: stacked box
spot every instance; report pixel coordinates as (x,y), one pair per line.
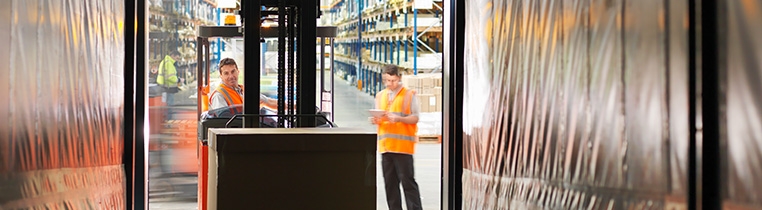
(438,82)
(438,95)
(428,87)
(423,101)
(432,102)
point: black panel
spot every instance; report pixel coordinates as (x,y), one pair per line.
(251,58)
(711,184)
(452,148)
(128,158)
(141,141)
(306,59)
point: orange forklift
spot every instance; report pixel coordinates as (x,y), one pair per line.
(304,89)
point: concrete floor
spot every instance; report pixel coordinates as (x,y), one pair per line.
(351,111)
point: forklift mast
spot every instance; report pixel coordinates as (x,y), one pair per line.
(296,33)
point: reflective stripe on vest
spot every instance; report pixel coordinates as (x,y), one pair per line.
(396,137)
(400,113)
(167,77)
(230,102)
(225,90)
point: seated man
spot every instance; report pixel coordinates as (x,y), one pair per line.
(229,94)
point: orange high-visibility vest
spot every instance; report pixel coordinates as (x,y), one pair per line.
(396,137)
(231,97)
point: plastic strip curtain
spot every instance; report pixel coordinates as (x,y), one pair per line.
(586,105)
(61,82)
(742,131)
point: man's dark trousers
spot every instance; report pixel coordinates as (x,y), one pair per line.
(398,168)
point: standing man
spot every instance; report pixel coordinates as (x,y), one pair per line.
(230,92)
(168,79)
(396,139)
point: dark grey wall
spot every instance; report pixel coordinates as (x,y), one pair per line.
(61,102)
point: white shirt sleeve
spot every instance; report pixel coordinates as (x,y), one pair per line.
(218,101)
(415,107)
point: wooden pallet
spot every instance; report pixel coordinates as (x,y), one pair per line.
(434,139)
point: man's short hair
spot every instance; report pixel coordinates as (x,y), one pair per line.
(174,53)
(227,61)
(393,70)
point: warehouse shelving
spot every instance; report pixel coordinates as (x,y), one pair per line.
(173,25)
(393,32)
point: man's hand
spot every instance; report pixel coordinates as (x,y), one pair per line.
(394,118)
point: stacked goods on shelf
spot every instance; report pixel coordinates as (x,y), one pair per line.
(426,61)
(428,88)
(382,25)
(388,38)
(424,20)
(366,55)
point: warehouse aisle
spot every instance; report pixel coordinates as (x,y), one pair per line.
(351,106)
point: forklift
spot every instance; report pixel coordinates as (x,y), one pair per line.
(304,98)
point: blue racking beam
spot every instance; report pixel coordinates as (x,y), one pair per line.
(398,52)
(391,22)
(406,44)
(219,40)
(386,49)
(379,84)
(263,58)
(373,81)
(359,37)
(436,44)
(415,41)
(391,51)
(375,84)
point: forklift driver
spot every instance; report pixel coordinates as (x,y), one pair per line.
(229,94)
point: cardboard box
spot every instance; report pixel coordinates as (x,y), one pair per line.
(428,102)
(438,95)
(424,100)
(427,82)
(433,104)
(438,90)
(412,82)
(427,91)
